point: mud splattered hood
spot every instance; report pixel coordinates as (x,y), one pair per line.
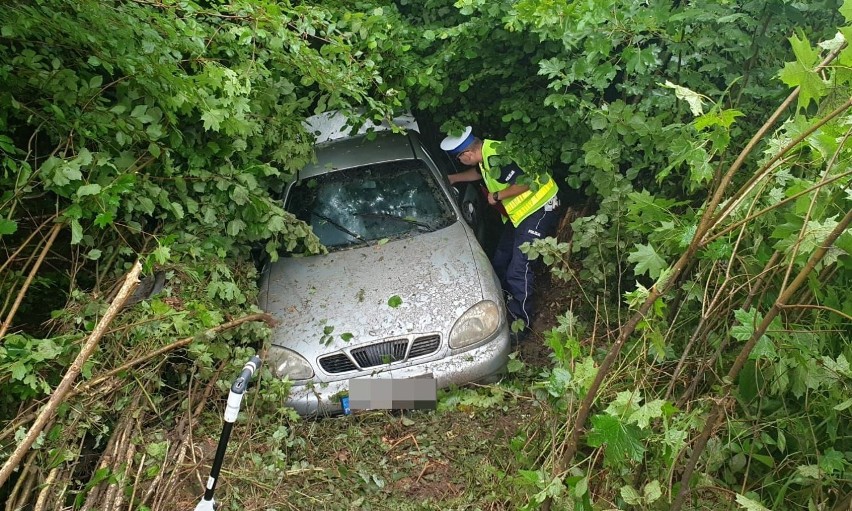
(342,299)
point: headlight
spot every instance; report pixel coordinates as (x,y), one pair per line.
(289,363)
(476,324)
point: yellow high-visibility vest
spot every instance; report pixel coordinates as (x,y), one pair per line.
(520,206)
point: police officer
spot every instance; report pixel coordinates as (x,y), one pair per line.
(527,214)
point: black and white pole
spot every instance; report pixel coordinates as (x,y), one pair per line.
(232,410)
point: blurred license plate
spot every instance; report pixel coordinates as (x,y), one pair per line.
(417,393)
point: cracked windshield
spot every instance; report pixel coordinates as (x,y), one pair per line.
(375,202)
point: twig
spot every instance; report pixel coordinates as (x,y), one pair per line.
(156,480)
(782,202)
(422,472)
(6,324)
(19,484)
(750,146)
(59,395)
(400,440)
(183,446)
(818,307)
(115,460)
(42,495)
(266,318)
(128,464)
(25,243)
(184,429)
(109,460)
(136,481)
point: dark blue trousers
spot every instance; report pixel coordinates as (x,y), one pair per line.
(513,267)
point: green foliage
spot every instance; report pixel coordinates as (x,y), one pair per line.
(623,441)
(181,119)
(166,131)
(28,365)
(645,117)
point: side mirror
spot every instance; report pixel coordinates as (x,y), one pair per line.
(469,212)
(456,192)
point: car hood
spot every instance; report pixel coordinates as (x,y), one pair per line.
(346,298)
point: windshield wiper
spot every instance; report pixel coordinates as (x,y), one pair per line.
(341,228)
(400,218)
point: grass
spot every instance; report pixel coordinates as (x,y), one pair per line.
(457,457)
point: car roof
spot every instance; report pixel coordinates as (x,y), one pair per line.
(361,150)
(335,124)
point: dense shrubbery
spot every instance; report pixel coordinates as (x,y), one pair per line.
(162,131)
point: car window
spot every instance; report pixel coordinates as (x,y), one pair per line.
(362,204)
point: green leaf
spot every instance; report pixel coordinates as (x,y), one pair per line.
(840,365)
(533,477)
(138,111)
(92,189)
(652,492)
(162,254)
(630,495)
(18,369)
(235,226)
(239,195)
(514,365)
(692,98)
(844,405)
(157,450)
(76,232)
(651,410)
(747,381)
(625,403)
(213,118)
(846,10)
(832,461)
(724,118)
(747,322)
(346,336)
(801,73)
(622,440)
(763,348)
(395,301)
(103,219)
(8,226)
(805,53)
(647,261)
(749,505)
(582,487)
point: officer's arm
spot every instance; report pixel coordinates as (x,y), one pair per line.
(471,174)
(511,191)
(506,193)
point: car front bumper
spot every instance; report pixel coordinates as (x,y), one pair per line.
(478,364)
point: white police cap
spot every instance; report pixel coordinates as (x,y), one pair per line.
(456,144)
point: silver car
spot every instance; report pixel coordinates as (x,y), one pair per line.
(405,290)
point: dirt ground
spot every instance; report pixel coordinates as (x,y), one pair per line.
(553,297)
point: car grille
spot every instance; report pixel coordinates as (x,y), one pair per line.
(339,363)
(383,353)
(424,346)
